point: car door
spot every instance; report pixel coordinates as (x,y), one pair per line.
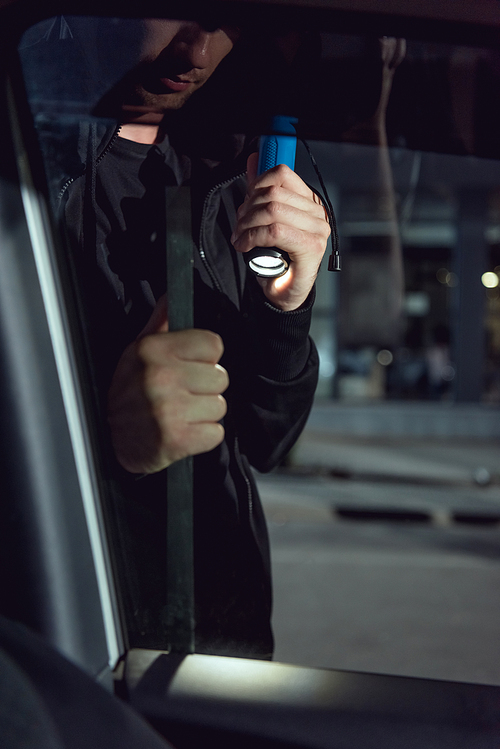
(64,548)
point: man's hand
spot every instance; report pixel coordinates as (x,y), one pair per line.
(165,399)
(281,211)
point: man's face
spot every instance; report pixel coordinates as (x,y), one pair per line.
(177,58)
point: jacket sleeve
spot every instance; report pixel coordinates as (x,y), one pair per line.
(280,377)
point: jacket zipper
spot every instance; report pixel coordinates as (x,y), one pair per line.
(69,182)
(201,251)
(243,472)
(98,161)
(110,144)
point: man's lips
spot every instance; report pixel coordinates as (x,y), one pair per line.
(176,85)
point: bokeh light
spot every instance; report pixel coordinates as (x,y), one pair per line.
(490,280)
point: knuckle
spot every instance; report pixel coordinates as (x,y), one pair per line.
(218,344)
(214,409)
(273,208)
(199,344)
(222,403)
(324,239)
(319,245)
(282,170)
(217,433)
(273,192)
(220,432)
(224,379)
(211,346)
(275,231)
(201,438)
(220,378)
(251,236)
(325,229)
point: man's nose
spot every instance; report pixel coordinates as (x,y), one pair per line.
(197,45)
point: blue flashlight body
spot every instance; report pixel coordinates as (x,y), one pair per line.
(280,146)
(277,147)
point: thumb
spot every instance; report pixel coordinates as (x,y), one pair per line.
(158,322)
(252,165)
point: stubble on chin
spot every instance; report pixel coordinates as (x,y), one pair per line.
(161,103)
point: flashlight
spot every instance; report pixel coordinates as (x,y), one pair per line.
(278,147)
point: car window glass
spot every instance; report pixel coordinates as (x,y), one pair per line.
(384,516)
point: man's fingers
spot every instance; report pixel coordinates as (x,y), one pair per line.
(297,242)
(200,438)
(279,199)
(275,212)
(252,166)
(165,399)
(189,426)
(206,379)
(187,345)
(158,322)
(281,211)
(280,176)
(280,196)
(189,409)
(196,378)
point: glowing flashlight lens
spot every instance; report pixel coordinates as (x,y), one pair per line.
(267,262)
(271,267)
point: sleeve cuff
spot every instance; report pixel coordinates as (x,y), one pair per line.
(283,339)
